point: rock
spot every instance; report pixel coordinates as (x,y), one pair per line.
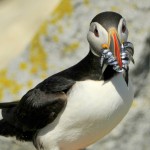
(61,42)
(7,144)
(141,73)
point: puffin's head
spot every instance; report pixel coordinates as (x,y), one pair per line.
(107,30)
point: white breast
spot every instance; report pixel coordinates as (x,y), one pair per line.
(94,108)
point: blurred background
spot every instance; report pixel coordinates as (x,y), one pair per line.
(41,37)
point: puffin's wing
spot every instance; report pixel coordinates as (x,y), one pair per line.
(39,106)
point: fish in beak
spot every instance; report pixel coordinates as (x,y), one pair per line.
(116,54)
(111,54)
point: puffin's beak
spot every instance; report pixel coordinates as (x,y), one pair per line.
(115,45)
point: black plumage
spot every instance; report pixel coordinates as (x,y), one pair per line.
(107,19)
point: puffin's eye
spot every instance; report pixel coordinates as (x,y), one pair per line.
(96,32)
(123,28)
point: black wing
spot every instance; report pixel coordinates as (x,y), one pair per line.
(39,106)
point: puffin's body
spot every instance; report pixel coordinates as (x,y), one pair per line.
(105,104)
(78,106)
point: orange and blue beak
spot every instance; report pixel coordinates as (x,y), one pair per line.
(115,46)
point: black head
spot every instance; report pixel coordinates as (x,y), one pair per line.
(107,19)
(107,30)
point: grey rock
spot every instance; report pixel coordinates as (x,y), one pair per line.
(134,131)
(141,73)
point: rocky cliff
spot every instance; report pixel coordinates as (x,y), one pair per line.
(61,42)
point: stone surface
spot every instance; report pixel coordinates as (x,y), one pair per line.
(61,42)
(19,21)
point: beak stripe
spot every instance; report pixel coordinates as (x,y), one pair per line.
(117,50)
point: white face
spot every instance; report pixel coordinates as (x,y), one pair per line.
(122,31)
(98,36)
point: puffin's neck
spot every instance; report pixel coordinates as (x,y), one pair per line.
(92,63)
(95,68)
(108,73)
(88,68)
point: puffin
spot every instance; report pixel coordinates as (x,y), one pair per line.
(78,106)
